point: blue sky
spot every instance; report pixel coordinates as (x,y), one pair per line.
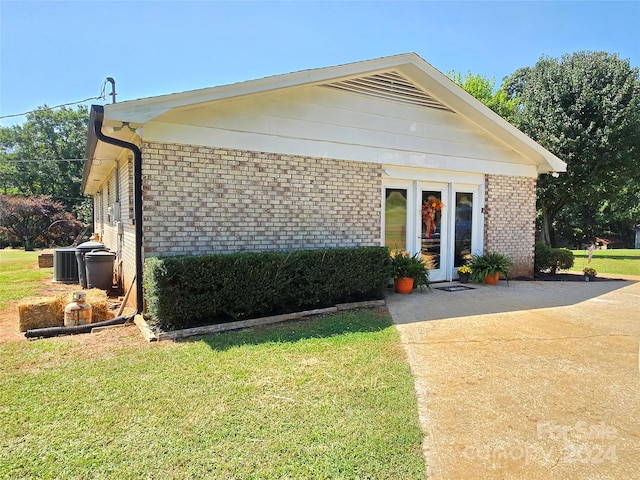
(60,52)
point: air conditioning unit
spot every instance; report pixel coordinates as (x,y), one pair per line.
(65,265)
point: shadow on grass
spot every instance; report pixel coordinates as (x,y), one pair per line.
(361,321)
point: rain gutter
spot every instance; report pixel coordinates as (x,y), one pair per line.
(95,134)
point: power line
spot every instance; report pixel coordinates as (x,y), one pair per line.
(99,97)
(50,108)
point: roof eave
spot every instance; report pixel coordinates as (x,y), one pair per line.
(96,113)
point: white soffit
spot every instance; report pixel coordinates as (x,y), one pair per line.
(389,86)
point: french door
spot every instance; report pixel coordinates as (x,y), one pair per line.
(433,232)
(440,221)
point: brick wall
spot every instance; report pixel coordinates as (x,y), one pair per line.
(510,216)
(202,200)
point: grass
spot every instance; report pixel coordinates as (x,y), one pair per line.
(617,262)
(19,275)
(328,397)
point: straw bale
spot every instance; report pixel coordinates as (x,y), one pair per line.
(96,298)
(99,307)
(43,312)
(38,312)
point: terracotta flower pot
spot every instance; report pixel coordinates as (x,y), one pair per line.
(492,279)
(404,285)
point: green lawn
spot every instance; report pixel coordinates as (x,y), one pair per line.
(620,262)
(19,275)
(325,398)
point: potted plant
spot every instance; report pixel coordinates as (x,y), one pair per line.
(487,268)
(589,274)
(409,272)
(464,273)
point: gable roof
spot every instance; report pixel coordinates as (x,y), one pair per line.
(403,78)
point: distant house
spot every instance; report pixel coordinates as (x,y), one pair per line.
(637,229)
(380,152)
(607,243)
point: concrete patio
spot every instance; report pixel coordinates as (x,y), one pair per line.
(527,380)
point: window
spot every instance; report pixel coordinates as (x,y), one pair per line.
(463,228)
(395,225)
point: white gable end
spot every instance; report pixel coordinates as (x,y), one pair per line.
(396,110)
(362,124)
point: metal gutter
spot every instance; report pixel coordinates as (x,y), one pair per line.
(95,134)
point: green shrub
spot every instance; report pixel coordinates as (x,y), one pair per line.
(188,291)
(561,259)
(542,257)
(551,260)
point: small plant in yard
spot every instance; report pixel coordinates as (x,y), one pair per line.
(464,273)
(590,272)
(488,265)
(410,266)
(464,270)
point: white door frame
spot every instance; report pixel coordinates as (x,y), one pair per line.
(477,221)
(414,181)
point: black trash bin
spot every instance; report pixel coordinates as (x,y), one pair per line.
(65,265)
(81,251)
(99,266)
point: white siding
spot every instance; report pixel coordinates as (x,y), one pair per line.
(106,225)
(328,123)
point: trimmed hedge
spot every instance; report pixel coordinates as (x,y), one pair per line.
(188,291)
(552,259)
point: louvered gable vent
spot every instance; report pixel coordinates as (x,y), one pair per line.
(389,86)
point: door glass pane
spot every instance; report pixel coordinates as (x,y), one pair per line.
(395,220)
(464,218)
(431,227)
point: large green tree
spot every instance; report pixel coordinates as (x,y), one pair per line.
(614,216)
(585,108)
(40,157)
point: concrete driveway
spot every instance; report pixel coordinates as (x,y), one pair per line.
(535,380)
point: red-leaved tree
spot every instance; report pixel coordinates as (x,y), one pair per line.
(36,221)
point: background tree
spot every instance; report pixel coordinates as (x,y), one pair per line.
(36,221)
(585,108)
(484,90)
(614,216)
(34,156)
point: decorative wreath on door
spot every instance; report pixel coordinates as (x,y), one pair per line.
(431,211)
